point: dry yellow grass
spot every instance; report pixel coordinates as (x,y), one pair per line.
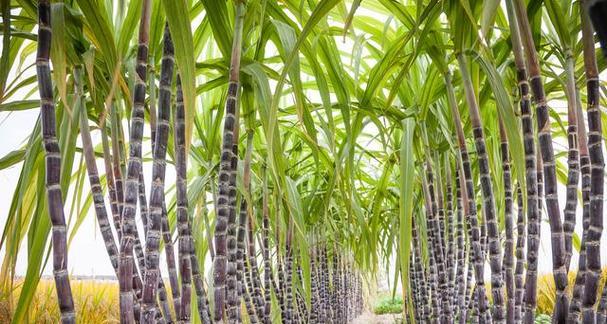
(96,302)
(546,290)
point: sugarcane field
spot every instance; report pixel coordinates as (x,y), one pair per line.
(303,161)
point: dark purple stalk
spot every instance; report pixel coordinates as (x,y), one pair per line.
(53,165)
(128,226)
(156,208)
(226,202)
(597,174)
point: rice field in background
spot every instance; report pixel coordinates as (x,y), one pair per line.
(546,290)
(95,301)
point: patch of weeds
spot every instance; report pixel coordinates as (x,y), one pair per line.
(389,305)
(543,319)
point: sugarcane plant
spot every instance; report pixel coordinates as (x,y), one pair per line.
(272,158)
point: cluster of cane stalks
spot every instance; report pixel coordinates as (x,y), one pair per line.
(135,256)
(448,276)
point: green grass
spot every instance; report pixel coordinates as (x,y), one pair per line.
(388,305)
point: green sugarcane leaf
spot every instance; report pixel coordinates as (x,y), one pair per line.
(220,24)
(128,26)
(490,9)
(560,21)
(12,158)
(320,11)
(98,27)
(577,242)
(350,16)
(5,66)
(157,23)
(19,105)
(181,34)
(287,38)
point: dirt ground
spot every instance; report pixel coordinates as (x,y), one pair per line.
(370,318)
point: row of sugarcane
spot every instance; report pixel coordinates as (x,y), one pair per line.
(135,258)
(143,297)
(337,289)
(450,285)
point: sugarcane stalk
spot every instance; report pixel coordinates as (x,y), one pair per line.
(433,268)
(114,166)
(169,252)
(597,173)
(156,207)
(93,174)
(533,219)
(520,258)
(242,222)
(335,285)
(288,300)
(282,296)
(414,286)
(493,233)
(165,228)
(450,242)
(508,261)
(438,252)
(441,222)
(267,272)
(53,165)
(233,297)
(128,225)
(418,267)
(302,309)
(111,183)
(459,300)
(116,169)
(471,215)
(202,300)
(227,194)
(324,266)
(253,270)
(185,240)
(547,153)
(580,278)
(573,161)
(343,309)
(164,304)
(165,314)
(315,296)
(247,291)
(137,248)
